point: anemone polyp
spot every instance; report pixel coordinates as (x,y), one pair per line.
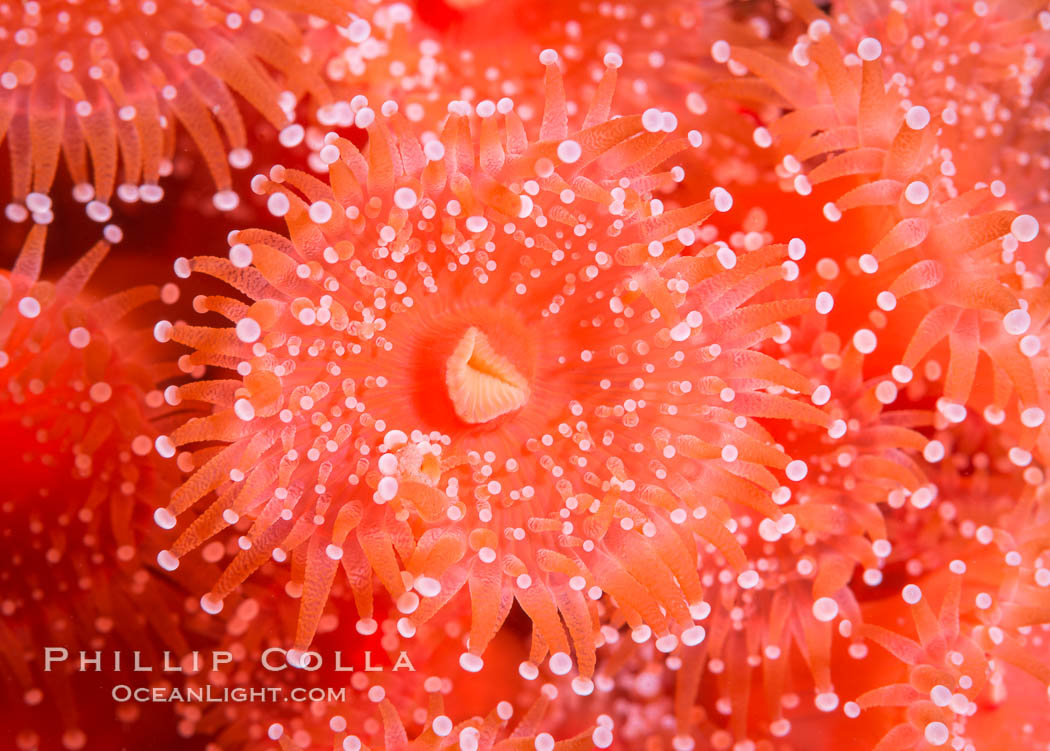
(89,409)
(105,84)
(935,251)
(480,52)
(77,424)
(980,68)
(514,379)
(964,640)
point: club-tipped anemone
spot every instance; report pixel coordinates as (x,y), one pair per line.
(980,67)
(79,411)
(490,361)
(380,690)
(933,251)
(962,614)
(74,387)
(106,87)
(970,624)
(774,641)
(423,53)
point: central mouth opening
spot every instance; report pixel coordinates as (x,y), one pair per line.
(483,384)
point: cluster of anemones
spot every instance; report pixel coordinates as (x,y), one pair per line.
(668,384)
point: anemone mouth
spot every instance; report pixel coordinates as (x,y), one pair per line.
(481,383)
(468,368)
